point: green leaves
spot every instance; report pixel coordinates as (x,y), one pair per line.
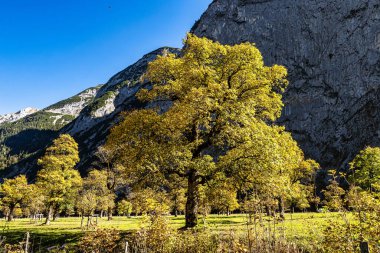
(14,190)
(63,154)
(366,169)
(58,178)
(224,102)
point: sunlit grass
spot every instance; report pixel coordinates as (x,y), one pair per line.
(300,227)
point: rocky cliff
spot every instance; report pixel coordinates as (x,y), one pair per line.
(332,51)
(12,117)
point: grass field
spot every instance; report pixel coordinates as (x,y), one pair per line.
(300,227)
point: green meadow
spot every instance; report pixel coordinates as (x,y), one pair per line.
(298,227)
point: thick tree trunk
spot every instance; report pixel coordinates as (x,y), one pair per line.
(192,201)
(11,211)
(48,216)
(55,214)
(109,213)
(281,207)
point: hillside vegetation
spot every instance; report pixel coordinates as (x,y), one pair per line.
(24,137)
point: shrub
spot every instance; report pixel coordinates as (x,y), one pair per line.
(99,241)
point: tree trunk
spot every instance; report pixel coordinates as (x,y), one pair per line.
(82,220)
(315,207)
(109,213)
(267,210)
(48,216)
(55,214)
(88,222)
(11,211)
(281,207)
(192,201)
(101,214)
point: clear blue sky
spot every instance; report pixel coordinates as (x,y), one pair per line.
(53,49)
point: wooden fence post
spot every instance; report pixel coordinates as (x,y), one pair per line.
(27,242)
(126,246)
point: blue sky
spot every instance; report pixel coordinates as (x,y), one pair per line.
(53,49)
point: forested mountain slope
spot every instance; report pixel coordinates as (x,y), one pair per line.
(89,126)
(19,139)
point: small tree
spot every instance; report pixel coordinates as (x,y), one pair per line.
(334,195)
(222,195)
(178,200)
(114,171)
(94,195)
(58,178)
(124,207)
(148,201)
(86,204)
(34,201)
(366,170)
(13,192)
(177,194)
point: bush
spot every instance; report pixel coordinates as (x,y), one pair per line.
(158,236)
(99,241)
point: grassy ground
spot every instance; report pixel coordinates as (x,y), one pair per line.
(300,227)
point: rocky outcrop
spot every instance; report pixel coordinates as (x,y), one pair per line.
(74,105)
(12,117)
(332,52)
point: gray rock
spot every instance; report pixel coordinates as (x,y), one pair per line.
(12,117)
(332,52)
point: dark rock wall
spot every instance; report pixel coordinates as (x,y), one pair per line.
(332,52)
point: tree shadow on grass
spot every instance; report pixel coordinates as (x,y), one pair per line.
(223,222)
(41,241)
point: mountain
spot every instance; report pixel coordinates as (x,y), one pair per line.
(332,52)
(12,117)
(332,106)
(29,131)
(90,115)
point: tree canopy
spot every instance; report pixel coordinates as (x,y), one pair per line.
(13,192)
(366,169)
(214,101)
(58,177)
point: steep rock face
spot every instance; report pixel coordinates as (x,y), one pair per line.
(332,52)
(74,105)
